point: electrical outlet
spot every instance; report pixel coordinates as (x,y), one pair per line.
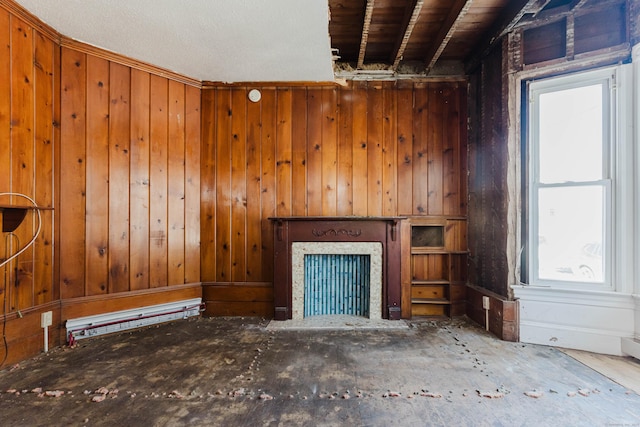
(485,303)
(46,319)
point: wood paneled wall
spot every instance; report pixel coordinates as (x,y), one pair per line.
(130,178)
(29,84)
(114,151)
(366,149)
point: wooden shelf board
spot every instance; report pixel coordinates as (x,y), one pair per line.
(433,301)
(428,251)
(430,282)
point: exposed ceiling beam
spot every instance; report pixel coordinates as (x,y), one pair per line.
(537,7)
(365,32)
(408,24)
(449,26)
(511,14)
(577,4)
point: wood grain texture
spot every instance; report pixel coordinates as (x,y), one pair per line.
(119,89)
(192,185)
(139,182)
(97,210)
(364,149)
(22,158)
(176,183)
(114,152)
(72,174)
(158,179)
(45,144)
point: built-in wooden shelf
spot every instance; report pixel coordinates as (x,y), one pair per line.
(438,266)
(13,215)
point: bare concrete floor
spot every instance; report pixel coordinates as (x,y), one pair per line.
(236,372)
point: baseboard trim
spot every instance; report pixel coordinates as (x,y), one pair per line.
(504,314)
(238,299)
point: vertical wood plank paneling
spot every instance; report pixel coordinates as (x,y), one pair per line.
(435,135)
(389,152)
(420,171)
(404,148)
(43,176)
(23,167)
(5,106)
(317,144)
(97,180)
(314,151)
(158,182)
(329,151)
(176,186)
(299,151)
(223,186)
(192,185)
(254,187)
(55,168)
(5,135)
(268,181)
(119,126)
(451,152)
(461,124)
(73,157)
(374,152)
(360,144)
(345,152)
(283,152)
(238,184)
(208,187)
(139,182)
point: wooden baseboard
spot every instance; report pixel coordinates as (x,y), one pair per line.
(504,315)
(238,299)
(24,335)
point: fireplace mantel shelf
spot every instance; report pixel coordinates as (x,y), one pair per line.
(337,218)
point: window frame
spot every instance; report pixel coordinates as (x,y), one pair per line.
(608,78)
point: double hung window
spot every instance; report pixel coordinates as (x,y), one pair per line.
(571,169)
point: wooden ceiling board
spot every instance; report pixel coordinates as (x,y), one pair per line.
(427,31)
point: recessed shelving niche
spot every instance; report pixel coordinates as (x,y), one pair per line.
(438,266)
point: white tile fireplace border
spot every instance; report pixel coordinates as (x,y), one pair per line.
(300,249)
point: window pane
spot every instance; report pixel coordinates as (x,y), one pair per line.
(570,132)
(570,233)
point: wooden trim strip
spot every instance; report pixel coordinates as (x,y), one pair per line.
(20,12)
(50,306)
(126,295)
(266,85)
(129,62)
(64,41)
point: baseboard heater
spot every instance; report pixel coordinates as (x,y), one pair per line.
(107,323)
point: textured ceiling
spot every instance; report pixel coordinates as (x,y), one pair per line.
(208,40)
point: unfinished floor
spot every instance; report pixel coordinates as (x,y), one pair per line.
(238,372)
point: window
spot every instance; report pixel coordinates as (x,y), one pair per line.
(571,179)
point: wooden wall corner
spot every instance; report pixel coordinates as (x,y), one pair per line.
(504,314)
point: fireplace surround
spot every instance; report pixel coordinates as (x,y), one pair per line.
(383,230)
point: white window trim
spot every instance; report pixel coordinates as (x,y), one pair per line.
(618,174)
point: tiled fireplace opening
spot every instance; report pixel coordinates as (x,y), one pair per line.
(336,278)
